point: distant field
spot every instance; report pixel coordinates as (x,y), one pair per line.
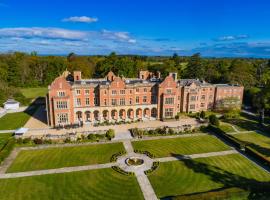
(102,184)
(184,145)
(33,93)
(14,120)
(58,157)
(259,142)
(205,174)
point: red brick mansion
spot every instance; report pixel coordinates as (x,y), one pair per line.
(73,100)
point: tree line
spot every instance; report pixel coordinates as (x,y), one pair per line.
(31,70)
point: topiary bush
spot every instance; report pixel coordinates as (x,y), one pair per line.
(110,134)
(214,120)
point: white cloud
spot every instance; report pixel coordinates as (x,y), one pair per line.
(83,19)
(34,32)
(118,36)
(231,37)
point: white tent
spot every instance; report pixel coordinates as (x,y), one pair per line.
(11,104)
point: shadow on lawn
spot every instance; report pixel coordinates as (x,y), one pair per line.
(37,110)
(263,150)
(257,189)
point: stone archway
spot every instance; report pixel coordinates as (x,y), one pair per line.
(146,113)
(87,116)
(105,115)
(96,115)
(130,113)
(122,114)
(139,113)
(114,114)
(79,116)
(154,112)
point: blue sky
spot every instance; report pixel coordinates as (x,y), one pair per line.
(230,28)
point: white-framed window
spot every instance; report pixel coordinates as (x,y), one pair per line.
(210,97)
(144,99)
(168,112)
(137,90)
(203,97)
(87,101)
(122,101)
(122,92)
(169,100)
(145,90)
(130,101)
(193,98)
(137,99)
(62,118)
(114,102)
(61,94)
(87,92)
(168,91)
(192,106)
(114,92)
(78,101)
(61,105)
(130,91)
(105,91)
(105,102)
(78,92)
(202,105)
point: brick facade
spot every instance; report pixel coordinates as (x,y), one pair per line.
(147,97)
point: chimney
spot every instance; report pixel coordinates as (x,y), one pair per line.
(158,74)
(77,75)
(174,75)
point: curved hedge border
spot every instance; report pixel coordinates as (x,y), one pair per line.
(153,168)
(150,155)
(7,148)
(119,170)
(116,155)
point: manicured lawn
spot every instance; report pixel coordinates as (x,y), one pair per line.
(15,120)
(58,157)
(33,93)
(226,128)
(243,124)
(205,174)
(99,184)
(259,142)
(184,145)
(4,138)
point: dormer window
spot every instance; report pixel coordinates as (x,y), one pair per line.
(61,94)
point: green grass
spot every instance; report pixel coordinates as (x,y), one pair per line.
(99,184)
(226,128)
(33,93)
(205,174)
(13,121)
(58,157)
(4,137)
(258,142)
(181,145)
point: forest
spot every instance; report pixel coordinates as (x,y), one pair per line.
(21,70)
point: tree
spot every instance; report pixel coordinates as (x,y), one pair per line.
(195,68)
(110,134)
(202,114)
(262,102)
(214,120)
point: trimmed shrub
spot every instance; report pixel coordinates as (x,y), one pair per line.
(118,169)
(153,168)
(202,115)
(214,120)
(116,155)
(110,134)
(150,155)
(92,137)
(38,141)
